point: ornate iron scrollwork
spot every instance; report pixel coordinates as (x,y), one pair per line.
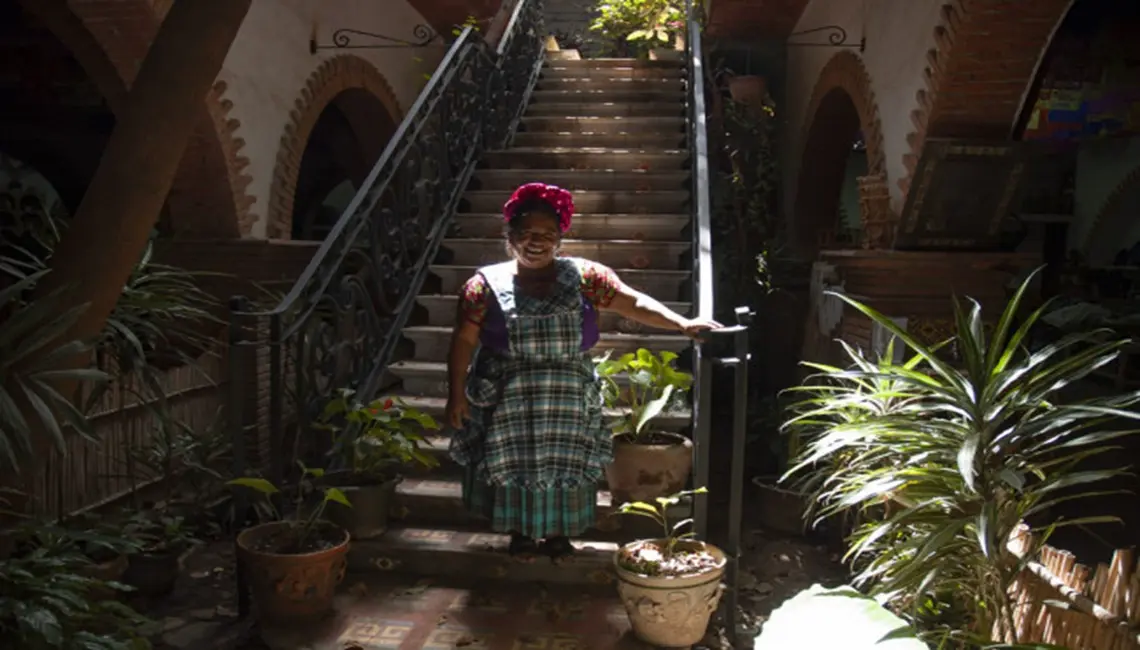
(836,37)
(342,39)
(340,324)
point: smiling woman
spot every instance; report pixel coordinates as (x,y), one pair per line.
(528,407)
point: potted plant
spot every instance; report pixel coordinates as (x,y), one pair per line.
(634,27)
(648,463)
(293,562)
(982,435)
(374,442)
(99,549)
(153,568)
(670,585)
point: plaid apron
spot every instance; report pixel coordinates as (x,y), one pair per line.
(535,446)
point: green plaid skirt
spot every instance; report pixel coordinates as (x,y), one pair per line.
(534,513)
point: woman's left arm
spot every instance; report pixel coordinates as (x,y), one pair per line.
(638,306)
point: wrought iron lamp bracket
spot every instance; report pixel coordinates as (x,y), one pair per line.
(342,39)
(836,37)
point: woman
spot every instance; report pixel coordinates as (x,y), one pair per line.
(528,409)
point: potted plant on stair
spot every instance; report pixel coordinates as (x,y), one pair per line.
(153,568)
(294,562)
(670,585)
(374,442)
(648,463)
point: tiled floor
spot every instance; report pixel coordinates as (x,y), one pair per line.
(494,616)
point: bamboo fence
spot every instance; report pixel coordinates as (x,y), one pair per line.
(91,473)
(1068,604)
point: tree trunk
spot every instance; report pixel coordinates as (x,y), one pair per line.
(110,228)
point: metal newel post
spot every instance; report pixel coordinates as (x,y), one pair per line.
(739,363)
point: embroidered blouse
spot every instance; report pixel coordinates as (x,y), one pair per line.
(599,286)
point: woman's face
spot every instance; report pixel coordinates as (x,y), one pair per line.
(534,239)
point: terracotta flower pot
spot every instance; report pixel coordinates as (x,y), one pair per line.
(368,516)
(748,89)
(288,589)
(643,472)
(111,570)
(671,612)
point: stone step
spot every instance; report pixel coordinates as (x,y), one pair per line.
(618,140)
(671,87)
(429,378)
(603,124)
(605,108)
(614,254)
(441,312)
(661,284)
(646,227)
(438,501)
(474,555)
(597,201)
(433,342)
(574,158)
(559,70)
(599,63)
(506,180)
(627,95)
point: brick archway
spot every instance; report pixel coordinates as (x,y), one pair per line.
(980,71)
(208,198)
(336,78)
(1105,218)
(842,104)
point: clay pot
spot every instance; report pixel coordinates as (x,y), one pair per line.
(671,612)
(748,89)
(643,472)
(666,54)
(368,516)
(108,571)
(779,509)
(290,589)
(153,575)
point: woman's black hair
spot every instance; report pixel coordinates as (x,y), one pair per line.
(532,206)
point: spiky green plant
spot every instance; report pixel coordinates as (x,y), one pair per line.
(962,452)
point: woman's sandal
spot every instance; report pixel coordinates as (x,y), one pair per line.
(523,548)
(558,549)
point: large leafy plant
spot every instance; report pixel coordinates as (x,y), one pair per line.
(622,22)
(303,525)
(376,439)
(963,453)
(653,384)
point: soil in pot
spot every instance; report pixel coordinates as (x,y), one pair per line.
(669,599)
(657,464)
(292,580)
(371,502)
(153,574)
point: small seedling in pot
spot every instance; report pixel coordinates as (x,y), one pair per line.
(667,555)
(305,525)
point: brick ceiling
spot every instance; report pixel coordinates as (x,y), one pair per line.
(754,19)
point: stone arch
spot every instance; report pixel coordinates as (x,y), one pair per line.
(980,70)
(1106,217)
(209,197)
(353,85)
(842,103)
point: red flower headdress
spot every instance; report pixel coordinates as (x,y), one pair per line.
(559,199)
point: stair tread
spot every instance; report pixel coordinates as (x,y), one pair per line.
(606,336)
(621,272)
(592,150)
(572,242)
(435,404)
(578,216)
(676,305)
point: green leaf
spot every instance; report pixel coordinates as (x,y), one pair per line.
(261,485)
(337,496)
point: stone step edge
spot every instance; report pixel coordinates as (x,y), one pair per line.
(622,272)
(605,336)
(570,242)
(596,151)
(647,216)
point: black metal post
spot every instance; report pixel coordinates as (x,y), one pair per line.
(236,377)
(739,363)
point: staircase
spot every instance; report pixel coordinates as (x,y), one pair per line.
(613,132)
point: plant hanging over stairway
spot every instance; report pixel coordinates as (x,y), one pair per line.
(632,27)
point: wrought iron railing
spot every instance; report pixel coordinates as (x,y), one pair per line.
(340,324)
(703,358)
